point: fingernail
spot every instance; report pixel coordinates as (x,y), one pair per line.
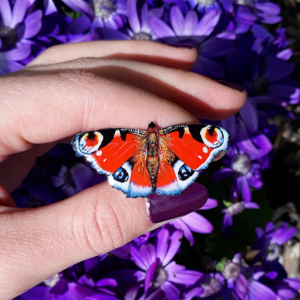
(162,208)
(234,86)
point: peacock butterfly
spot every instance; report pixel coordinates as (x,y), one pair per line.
(142,162)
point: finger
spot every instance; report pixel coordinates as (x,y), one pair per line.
(143,51)
(199,95)
(46,108)
(40,242)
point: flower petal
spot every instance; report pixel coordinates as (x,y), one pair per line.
(5,12)
(221,174)
(171,291)
(149,275)
(138,259)
(282,235)
(249,115)
(177,20)
(160,28)
(198,223)
(80,6)
(251,205)
(191,21)
(245,189)
(173,246)
(162,244)
(18,12)
(207,24)
(33,24)
(179,224)
(133,18)
(210,203)
(259,291)
(19,53)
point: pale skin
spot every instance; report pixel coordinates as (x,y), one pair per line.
(75,88)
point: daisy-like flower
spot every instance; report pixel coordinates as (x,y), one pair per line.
(242,163)
(212,286)
(18,24)
(195,222)
(56,287)
(102,13)
(138,20)
(158,271)
(249,11)
(247,286)
(76,179)
(269,243)
(204,6)
(189,30)
(232,210)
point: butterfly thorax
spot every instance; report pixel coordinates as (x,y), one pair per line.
(152,154)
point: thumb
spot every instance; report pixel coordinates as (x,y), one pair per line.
(37,243)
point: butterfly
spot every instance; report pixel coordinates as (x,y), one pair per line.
(157,160)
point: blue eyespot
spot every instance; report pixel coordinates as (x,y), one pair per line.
(121,175)
(185,172)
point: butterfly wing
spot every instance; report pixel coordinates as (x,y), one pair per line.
(113,152)
(193,147)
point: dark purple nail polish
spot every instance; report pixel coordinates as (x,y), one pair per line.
(163,208)
(232,85)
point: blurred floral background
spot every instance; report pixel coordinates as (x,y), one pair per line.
(245,242)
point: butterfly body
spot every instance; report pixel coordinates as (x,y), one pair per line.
(141,162)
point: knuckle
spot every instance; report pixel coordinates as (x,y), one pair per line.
(103,229)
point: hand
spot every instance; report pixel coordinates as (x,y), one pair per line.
(102,85)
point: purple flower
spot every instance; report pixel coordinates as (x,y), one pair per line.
(102,13)
(249,287)
(56,287)
(249,11)
(264,75)
(245,282)
(212,286)
(241,163)
(204,6)
(195,222)
(76,179)
(234,209)
(269,243)
(157,269)
(138,20)
(189,30)
(18,24)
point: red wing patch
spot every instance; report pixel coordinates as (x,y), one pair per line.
(190,151)
(107,150)
(117,152)
(167,182)
(140,184)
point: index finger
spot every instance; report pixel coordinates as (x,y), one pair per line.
(41,108)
